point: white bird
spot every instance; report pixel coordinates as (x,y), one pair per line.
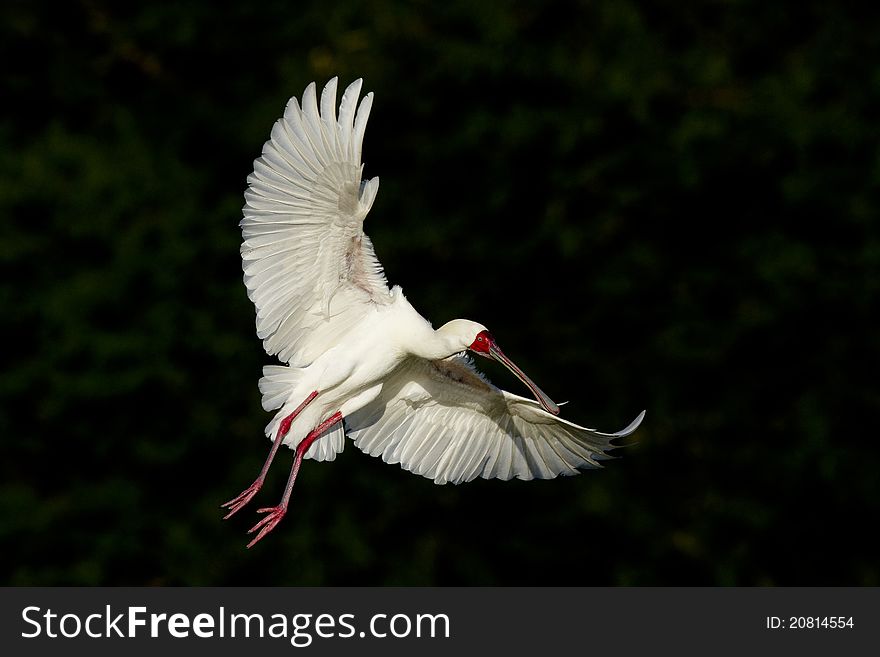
(359,359)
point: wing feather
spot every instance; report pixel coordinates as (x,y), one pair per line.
(303,241)
(346,118)
(445,421)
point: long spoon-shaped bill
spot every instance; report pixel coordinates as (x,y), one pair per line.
(485,346)
(548,404)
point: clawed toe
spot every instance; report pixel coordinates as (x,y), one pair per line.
(274,514)
(236,504)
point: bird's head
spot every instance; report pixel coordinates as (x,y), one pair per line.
(461,334)
(464,334)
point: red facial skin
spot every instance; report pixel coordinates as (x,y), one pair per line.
(482,342)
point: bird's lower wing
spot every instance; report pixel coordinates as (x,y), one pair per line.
(308,266)
(445,421)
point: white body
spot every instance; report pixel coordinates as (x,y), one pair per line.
(348,375)
(323,306)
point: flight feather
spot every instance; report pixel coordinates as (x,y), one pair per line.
(304,244)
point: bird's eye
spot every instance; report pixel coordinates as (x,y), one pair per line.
(480,338)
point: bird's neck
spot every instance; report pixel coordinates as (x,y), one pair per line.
(415,335)
(423,341)
(433,345)
(419,339)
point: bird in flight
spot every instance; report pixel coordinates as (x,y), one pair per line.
(358,358)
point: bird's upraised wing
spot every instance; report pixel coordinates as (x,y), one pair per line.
(443,420)
(307,263)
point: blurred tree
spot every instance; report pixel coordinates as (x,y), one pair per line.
(653,205)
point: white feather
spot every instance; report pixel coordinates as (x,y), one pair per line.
(445,421)
(303,226)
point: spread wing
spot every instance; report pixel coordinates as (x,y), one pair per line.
(445,421)
(307,263)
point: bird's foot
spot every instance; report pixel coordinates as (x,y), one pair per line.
(236,504)
(267,524)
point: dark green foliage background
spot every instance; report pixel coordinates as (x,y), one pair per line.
(659,205)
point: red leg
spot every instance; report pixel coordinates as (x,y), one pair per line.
(274,514)
(235,504)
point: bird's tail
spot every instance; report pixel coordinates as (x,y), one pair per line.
(277,383)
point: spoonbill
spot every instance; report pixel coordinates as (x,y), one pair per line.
(358,358)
